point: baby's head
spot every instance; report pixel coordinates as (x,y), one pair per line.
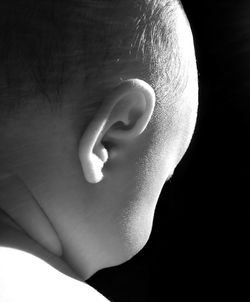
(98,106)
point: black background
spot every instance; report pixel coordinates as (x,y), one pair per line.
(205,204)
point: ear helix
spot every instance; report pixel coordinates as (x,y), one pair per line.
(92,153)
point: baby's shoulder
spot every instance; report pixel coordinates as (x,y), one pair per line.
(24,277)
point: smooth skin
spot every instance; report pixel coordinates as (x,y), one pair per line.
(81,194)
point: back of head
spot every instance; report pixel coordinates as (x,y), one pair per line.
(44,45)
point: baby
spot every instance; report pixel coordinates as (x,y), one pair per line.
(98,104)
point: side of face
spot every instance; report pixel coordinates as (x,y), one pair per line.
(138,165)
(128,151)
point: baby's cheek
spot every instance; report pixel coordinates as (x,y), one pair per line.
(134,229)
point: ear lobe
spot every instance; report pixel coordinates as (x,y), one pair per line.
(124,115)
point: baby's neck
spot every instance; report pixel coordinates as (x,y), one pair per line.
(21,219)
(22,208)
(11,235)
(6,220)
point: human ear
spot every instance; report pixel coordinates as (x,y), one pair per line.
(123,116)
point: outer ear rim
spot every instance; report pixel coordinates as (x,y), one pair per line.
(91,163)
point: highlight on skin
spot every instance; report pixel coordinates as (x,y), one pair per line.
(98,106)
